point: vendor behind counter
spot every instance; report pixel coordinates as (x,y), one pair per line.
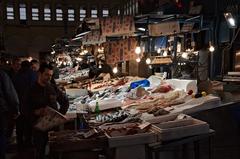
(105,68)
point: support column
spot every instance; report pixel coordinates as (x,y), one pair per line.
(16,12)
(53,11)
(2,9)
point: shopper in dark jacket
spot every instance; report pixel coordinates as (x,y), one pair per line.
(8,105)
(12,72)
(14,68)
(23,81)
(62,98)
(42,95)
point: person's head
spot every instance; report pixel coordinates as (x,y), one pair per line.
(35,65)
(16,64)
(45,73)
(25,65)
(53,64)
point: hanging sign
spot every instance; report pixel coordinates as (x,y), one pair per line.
(117,25)
(122,50)
(94,37)
(162,29)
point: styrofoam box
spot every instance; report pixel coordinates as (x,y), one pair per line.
(106,104)
(130,140)
(76,92)
(170,130)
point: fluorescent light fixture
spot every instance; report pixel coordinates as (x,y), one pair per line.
(81,34)
(77,38)
(230,20)
(142,29)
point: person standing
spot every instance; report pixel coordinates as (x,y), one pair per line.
(14,68)
(8,105)
(23,81)
(42,95)
(34,65)
(12,72)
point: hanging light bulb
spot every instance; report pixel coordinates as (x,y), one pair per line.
(138,59)
(138,50)
(100,66)
(159,50)
(211,48)
(165,53)
(231,20)
(115,70)
(30,59)
(79,59)
(101,49)
(185,55)
(53,52)
(148,61)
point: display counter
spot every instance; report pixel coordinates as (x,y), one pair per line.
(126,113)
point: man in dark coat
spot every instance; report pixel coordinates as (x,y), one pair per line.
(23,81)
(42,95)
(8,105)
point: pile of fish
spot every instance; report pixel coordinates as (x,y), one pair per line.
(113,116)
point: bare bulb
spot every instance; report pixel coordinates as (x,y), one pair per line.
(148,61)
(79,59)
(115,70)
(138,59)
(211,48)
(138,50)
(165,53)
